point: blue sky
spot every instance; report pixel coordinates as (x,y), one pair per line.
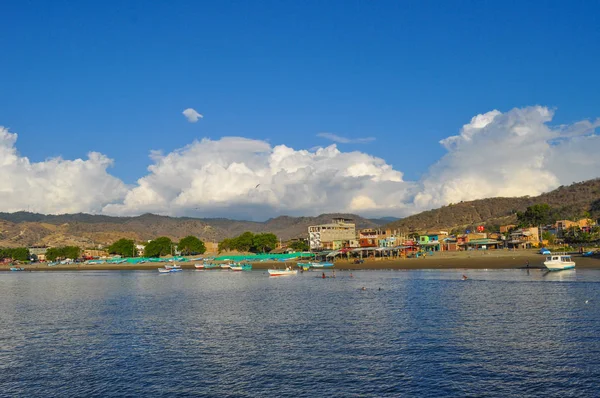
(114,76)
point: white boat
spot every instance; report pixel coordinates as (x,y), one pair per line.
(226,266)
(282,272)
(559,262)
(168,270)
(174,266)
(199,266)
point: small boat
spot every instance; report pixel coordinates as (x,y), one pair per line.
(17,269)
(241,267)
(199,266)
(282,272)
(175,269)
(559,262)
(225,266)
(174,266)
(164,270)
(211,266)
(321,265)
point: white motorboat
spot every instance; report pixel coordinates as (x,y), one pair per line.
(282,272)
(559,262)
(164,270)
(174,266)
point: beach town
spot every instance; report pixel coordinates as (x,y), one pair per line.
(341,244)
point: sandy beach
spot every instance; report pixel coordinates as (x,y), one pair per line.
(448,260)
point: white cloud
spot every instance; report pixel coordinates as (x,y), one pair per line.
(511,154)
(191,115)
(55,185)
(221,178)
(344,140)
(497,154)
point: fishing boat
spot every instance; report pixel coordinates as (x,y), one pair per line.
(199,266)
(17,269)
(211,266)
(282,272)
(321,265)
(169,270)
(174,266)
(559,262)
(241,267)
(225,266)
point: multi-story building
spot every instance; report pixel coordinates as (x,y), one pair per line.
(368,237)
(332,236)
(524,238)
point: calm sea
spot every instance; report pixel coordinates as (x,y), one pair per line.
(225,334)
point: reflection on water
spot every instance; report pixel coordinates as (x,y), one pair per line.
(218,333)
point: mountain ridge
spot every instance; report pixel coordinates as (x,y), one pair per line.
(88,230)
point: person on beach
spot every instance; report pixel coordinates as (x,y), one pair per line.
(527,263)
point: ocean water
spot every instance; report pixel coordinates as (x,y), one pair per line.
(222,334)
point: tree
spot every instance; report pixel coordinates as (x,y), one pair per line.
(244,242)
(299,246)
(191,245)
(158,247)
(264,242)
(538,214)
(551,238)
(55,253)
(225,245)
(123,247)
(18,253)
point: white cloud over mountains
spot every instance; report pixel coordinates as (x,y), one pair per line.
(496,154)
(55,185)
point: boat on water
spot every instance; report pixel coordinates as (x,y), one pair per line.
(320,265)
(169,270)
(282,272)
(17,269)
(241,267)
(559,262)
(199,266)
(225,266)
(174,266)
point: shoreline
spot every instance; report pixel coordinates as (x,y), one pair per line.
(459,260)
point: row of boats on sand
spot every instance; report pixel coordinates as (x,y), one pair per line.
(248,267)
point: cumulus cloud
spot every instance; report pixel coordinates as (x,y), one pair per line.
(344,140)
(237,175)
(511,153)
(191,115)
(55,185)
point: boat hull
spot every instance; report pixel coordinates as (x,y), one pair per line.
(553,266)
(282,272)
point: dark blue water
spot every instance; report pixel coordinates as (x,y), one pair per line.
(219,333)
